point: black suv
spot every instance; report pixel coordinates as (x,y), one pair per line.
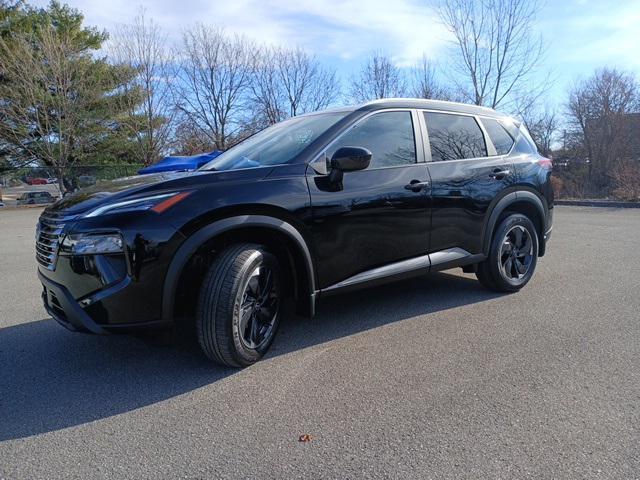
(318,204)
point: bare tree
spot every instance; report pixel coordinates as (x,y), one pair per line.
(289,82)
(308,86)
(142,46)
(214,74)
(626,180)
(544,129)
(267,93)
(425,83)
(378,78)
(189,139)
(496,49)
(542,122)
(599,111)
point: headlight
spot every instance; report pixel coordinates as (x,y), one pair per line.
(93,244)
(156,203)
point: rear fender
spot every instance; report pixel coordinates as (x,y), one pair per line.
(503,204)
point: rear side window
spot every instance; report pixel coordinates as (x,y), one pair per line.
(388,135)
(498,135)
(524,142)
(454,137)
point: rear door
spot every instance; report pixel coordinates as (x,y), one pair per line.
(468,171)
(376,217)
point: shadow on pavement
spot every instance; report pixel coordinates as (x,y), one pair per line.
(52,379)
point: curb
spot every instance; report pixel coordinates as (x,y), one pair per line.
(597,203)
(21,207)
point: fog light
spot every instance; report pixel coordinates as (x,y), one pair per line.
(93,244)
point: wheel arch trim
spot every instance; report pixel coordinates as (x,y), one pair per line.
(212,230)
(502,204)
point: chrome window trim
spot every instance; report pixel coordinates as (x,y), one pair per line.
(425,135)
(418,140)
(496,157)
(488,140)
(491,148)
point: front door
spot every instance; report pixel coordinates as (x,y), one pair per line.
(376,218)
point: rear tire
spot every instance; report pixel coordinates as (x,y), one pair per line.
(513,255)
(239,305)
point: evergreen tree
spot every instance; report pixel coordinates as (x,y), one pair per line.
(61,104)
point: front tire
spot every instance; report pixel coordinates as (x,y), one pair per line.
(512,257)
(240,305)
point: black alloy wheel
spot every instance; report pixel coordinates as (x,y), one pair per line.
(516,253)
(513,255)
(240,305)
(259,308)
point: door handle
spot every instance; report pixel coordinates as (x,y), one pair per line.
(499,173)
(416,185)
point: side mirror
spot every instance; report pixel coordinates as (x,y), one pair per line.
(349,159)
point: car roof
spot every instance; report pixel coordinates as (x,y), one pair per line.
(420,103)
(428,105)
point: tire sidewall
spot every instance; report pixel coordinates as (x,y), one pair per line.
(248,355)
(494,256)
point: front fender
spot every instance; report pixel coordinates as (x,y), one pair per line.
(200,237)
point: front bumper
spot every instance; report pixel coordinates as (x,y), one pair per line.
(71,314)
(60,304)
(105,293)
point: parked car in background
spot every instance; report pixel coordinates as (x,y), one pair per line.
(86,181)
(313,206)
(37,181)
(36,198)
(180,163)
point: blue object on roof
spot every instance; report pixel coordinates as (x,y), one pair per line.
(179,164)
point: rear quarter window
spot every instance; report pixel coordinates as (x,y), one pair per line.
(524,142)
(501,139)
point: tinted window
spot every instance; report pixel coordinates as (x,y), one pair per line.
(524,142)
(498,135)
(277,144)
(454,137)
(388,135)
(525,134)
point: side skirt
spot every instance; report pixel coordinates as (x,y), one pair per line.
(433,262)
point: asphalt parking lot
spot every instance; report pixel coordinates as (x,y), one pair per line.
(429,378)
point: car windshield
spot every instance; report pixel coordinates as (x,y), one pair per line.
(277,144)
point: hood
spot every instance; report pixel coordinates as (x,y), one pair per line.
(105,192)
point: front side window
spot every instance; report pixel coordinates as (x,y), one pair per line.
(498,135)
(454,137)
(388,135)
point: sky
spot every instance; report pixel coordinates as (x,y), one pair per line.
(581,35)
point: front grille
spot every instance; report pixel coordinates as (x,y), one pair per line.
(48,240)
